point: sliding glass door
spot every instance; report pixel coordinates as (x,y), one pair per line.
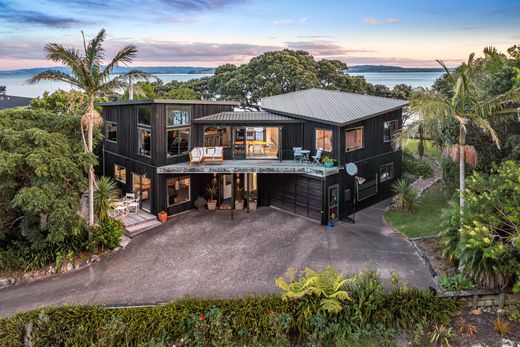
(142,185)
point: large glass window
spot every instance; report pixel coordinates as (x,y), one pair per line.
(111,131)
(389,130)
(178,140)
(324,139)
(120,173)
(217,136)
(386,172)
(354,138)
(178,190)
(144,116)
(144,142)
(177,115)
(262,142)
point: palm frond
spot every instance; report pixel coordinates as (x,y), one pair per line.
(67,56)
(494,60)
(447,72)
(54,75)
(125,56)
(94,52)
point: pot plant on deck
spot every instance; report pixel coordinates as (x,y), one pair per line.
(252,200)
(328,161)
(212,192)
(239,198)
(163,216)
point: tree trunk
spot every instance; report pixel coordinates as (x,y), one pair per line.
(90,131)
(462,166)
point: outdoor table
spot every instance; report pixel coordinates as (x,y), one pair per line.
(305,155)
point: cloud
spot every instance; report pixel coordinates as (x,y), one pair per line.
(200,5)
(396,61)
(377,21)
(21,16)
(290,21)
(315,37)
(322,48)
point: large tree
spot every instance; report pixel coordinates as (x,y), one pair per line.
(90,75)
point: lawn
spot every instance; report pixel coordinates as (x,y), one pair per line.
(429,149)
(425,221)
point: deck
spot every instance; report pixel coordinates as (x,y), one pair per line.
(251,166)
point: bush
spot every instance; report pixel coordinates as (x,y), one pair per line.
(450,170)
(108,234)
(415,166)
(406,197)
(457,282)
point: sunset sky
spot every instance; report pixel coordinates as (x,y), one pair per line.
(213,32)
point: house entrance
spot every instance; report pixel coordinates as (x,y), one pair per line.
(226,192)
(143,186)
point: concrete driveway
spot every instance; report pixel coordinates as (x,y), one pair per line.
(204,253)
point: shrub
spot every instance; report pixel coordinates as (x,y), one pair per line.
(105,195)
(108,234)
(502,327)
(457,282)
(442,335)
(406,197)
(465,328)
(415,166)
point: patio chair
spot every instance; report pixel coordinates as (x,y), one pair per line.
(316,158)
(130,195)
(196,155)
(133,206)
(297,152)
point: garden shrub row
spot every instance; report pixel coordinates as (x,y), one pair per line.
(370,314)
(415,166)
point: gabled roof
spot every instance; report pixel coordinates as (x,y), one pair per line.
(168,101)
(246,117)
(330,106)
(10,101)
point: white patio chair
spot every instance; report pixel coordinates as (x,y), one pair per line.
(297,152)
(130,195)
(133,206)
(316,158)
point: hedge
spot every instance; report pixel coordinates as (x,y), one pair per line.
(371,315)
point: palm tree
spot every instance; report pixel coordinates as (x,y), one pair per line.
(104,197)
(89,75)
(467,108)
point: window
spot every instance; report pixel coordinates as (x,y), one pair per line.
(386,172)
(177,115)
(217,136)
(144,116)
(111,131)
(389,130)
(120,173)
(144,137)
(324,139)
(354,138)
(178,190)
(178,140)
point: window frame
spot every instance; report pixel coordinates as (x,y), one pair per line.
(185,108)
(347,149)
(219,127)
(390,177)
(106,131)
(316,147)
(167,193)
(151,116)
(117,177)
(168,155)
(139,139)
(391,136)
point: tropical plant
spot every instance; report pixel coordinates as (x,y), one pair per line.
(328,160)
(212,191)
(502,327)
(108,234)
(105,194)
(442,335)
(457,282)
(464,327)
(406,197)
(94,78)
(239,194)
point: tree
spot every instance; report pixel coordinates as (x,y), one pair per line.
(89,75)
(181,93)
(466,108)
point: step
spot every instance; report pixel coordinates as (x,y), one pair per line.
(137,229)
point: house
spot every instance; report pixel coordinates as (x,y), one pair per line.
(148,143)
(11,101)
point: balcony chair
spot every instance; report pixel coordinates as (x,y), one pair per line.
(316,158)
(297,152)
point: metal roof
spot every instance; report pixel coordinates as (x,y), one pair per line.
(10,101)
(330,106)
(246,117)
(168,101)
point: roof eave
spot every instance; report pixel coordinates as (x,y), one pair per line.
(167,101)
(373,115)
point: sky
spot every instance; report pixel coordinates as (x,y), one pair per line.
(213,32)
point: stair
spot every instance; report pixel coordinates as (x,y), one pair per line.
(139,228)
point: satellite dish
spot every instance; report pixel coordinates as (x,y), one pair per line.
(352,169)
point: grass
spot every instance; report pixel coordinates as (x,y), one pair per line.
(425,221)
(429,149)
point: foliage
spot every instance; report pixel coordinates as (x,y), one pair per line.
(512,314)
(485,239)
(105,194)
(239,194)
(327,159)
(465,328)
(71,102)
(456,283)
(181,93)
(430,149)
(406,198)
(425,220)
(108,234)
(442,335)
(416,166)
(502,327)
(212,192)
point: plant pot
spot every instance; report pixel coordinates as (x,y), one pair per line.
(239,205)
(330,224)
(252,205)
(212,204)
(163,217)
(328,164)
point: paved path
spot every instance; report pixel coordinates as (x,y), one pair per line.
(204,253)
(422,184)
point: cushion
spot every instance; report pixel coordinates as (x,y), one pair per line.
(218,151)
(210,151)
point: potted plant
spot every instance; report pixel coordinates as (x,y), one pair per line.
(163,216)
(212,192)
(239,198)
(252,200)
(328,161)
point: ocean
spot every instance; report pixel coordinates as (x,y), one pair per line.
(17,84)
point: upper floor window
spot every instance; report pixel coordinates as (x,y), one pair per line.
(111,131)
(217,136)
(144,116)
(177,115)
(390,128)
(354,138)
(324,139)
(120,173)
(178,140)
(386,172)
(144,145)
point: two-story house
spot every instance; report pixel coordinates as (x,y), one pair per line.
(148,142)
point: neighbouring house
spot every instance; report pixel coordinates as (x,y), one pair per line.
(11,101)
(148,143)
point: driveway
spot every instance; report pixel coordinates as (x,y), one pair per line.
(204,253)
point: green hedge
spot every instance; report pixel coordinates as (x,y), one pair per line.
(371,315)
(415,166)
